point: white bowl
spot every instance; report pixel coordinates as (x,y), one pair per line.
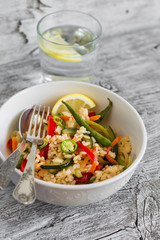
(123,117)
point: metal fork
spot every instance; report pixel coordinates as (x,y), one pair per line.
(25,191)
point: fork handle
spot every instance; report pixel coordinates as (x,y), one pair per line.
(24,191)
(8,166)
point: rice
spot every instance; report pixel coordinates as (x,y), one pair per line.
(108,172)
(66,176)
(81,161)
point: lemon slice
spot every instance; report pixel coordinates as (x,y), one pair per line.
(58,48)
(75,100)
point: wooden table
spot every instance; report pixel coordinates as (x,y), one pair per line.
(129,64)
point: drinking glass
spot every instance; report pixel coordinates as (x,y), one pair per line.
(68,43)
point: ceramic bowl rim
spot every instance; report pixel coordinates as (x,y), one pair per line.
(98,184)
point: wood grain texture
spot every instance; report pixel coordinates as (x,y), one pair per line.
(128,64)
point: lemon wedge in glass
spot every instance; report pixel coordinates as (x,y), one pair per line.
(56,47)
(75,100)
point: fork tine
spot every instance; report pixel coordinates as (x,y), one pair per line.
(40,114)
(39,130)
(35,125)
(31,121)
(48,111)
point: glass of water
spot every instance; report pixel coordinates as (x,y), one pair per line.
(68,43)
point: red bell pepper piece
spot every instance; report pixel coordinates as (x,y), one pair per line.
(51,126)
(90,114)
(88,151)
(9,143)
(85,179)
(24,162)
(44,151)
(98,167)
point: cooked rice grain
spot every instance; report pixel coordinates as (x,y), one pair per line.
(56,156)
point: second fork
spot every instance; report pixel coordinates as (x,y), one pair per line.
(25,191)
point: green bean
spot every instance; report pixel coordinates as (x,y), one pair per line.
(20,161)
(100,139)
(100,128)
(103,112)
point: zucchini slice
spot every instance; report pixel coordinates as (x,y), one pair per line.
(69,131)
(66,163)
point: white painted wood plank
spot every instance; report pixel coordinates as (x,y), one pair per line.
(128,64)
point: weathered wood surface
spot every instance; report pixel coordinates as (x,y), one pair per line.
(129,64)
